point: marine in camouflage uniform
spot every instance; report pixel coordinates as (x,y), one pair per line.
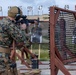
(9,32)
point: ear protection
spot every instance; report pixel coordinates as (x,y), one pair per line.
(18,14)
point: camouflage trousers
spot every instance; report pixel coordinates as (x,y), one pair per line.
(9,72)
(8,69)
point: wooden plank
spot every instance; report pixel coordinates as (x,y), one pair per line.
(52,41)
(32,72)
(22,60)
(57,15)
(64,10)
(60,65)
(4,50)
(70,60)
(58,54)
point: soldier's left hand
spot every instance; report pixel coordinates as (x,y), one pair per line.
(23,26)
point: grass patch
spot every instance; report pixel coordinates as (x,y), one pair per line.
(44,54)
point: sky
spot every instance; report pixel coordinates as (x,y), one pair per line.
(35,5)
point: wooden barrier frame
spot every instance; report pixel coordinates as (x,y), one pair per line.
(55,58)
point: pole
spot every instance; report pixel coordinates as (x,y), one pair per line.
(1,11)
(39,51)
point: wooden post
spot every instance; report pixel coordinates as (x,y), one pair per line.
(39,51)
(52,41)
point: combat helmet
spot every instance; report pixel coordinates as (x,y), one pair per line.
(14,12)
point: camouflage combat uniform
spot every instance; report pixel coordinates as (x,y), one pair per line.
(9,32)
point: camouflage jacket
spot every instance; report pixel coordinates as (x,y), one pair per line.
(9,32)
